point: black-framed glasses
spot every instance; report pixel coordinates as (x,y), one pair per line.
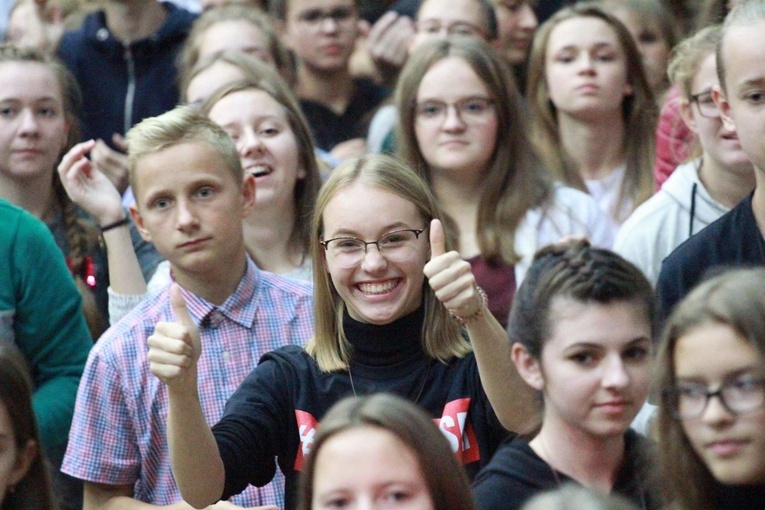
(314,17)
(741,396)
(471,110)
(349,251)
(706,104)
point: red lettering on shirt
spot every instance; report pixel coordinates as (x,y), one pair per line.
(458,431)
(307,426)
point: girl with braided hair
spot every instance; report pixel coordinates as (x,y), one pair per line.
(39,101)
(582,322)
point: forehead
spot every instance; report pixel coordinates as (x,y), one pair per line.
(230,34)
(245,105)
(368,209)
(607,324)
(713,351)
(744,54)
(298,6)
(706,74)
(28,79)
(173,168)
(453,11)
(451,77)
(209,80)
(582,32)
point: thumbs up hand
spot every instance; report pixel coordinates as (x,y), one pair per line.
(450,277)
(175,347)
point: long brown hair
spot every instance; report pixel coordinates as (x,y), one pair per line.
(306,189)
(638,111)
(735,299)
(514,180)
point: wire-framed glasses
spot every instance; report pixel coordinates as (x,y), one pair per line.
(741,396)
(349,251)
(471,110)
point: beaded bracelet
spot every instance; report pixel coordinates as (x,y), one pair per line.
(477,314)
(118,223)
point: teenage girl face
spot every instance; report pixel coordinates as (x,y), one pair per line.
(649,39)
(720,143)
(33,128)
(439,19)
(235,35)
(516,22)
(455,120)
(586,68)
(594,370)
(259,126)
(14,463)
(732,446)
(368,467)
(379,288)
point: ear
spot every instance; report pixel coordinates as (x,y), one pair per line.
(301,174)
(687,115)
(24,458)
(628,90)
(724,106)
(281,28)
(528,367)
(138,220)
(248,194)
(362,28)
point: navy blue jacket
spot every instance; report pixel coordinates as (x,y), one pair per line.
(122,85)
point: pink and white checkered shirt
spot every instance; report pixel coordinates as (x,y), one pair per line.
(118,434)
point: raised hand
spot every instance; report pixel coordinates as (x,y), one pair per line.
(175,347)
(451,277)
(88,187)
(113,163)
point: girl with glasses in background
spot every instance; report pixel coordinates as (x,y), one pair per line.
(702,189)
(712,413)
(462,128)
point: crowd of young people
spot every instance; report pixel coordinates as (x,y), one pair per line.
(289,312)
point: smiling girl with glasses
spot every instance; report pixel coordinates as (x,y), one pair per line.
(712,412)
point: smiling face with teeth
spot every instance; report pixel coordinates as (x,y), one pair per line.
(267,146)
(378,290)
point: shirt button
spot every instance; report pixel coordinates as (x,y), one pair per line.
(102,34)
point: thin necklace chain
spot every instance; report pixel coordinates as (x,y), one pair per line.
(419,394)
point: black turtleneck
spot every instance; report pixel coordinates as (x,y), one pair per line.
(389,344)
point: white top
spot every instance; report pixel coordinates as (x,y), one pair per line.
(664,221)
(606,191)
(570,213)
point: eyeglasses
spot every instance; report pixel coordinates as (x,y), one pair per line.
(471,110)
(705,104)
(349,251)
(460,28)
(742,396)
(314,17)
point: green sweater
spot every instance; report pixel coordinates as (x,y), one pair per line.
(41,312)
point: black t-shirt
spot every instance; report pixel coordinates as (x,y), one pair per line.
(275,412)
(733,240)
(517,473)
(329,129)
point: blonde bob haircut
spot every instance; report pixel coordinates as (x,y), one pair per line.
(183,124)
(515,181)
(442,337)
(735,299)
(688,56)
(638,110)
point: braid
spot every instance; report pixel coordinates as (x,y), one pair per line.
(573,270)
(82,240)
